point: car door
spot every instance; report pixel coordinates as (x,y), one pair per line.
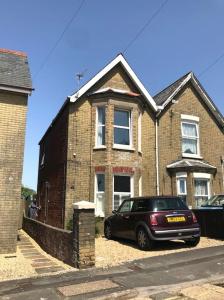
(121,221)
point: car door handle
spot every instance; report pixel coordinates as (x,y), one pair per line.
(126,217)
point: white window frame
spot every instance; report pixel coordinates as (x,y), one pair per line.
(121,146)
(123,193)
(140,186)
(97,146)
(139,132)
(206,177)
(181,176)
(96,192)
(192,120)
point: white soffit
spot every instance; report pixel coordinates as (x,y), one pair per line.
(104,71)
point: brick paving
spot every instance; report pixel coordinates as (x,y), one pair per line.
(41,263)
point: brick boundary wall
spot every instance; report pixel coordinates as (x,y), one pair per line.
(77,247)
(55,241)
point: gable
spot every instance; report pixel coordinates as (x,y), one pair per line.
(168,96)
(188,101)
(119,60)
(116,79)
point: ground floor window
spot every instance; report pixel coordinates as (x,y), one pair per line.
(202,190)
(100,195)
(182,185)
(122,189)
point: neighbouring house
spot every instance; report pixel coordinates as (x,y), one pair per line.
(15,87)
(112,140)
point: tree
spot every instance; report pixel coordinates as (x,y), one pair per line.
(26,192)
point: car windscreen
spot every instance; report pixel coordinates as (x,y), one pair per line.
(168,204)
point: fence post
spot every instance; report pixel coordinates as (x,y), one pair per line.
(84,234)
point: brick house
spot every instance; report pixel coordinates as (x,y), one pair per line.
(15,87)
(112,140)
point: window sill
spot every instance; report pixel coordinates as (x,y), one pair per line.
(99,148)
(120,147)
(188,155)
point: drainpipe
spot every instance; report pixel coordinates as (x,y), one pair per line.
(157,159)
(157,151)
(222,162)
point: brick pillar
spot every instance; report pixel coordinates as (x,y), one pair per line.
(84,234)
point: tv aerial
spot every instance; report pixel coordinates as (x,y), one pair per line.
(79,77)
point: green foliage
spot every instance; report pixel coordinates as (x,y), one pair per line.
(98,226)
(69,225)
(97,230)
(26,192)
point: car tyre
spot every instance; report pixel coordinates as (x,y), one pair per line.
(193,242)
(143,240)
(107,231)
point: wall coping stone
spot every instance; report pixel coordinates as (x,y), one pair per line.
(84,205)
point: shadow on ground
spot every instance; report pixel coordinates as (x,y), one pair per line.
(161,245)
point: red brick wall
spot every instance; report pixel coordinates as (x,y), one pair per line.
(53,171)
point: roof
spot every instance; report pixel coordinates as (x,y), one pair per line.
(190,164)
(161,97)
(164,97)
(14,70)
(116,61)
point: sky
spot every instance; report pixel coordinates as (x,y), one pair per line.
(183,36)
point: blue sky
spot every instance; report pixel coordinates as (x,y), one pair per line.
(184,36)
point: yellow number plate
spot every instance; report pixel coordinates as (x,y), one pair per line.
(175,219)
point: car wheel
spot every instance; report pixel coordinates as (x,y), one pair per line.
(143,240)
(107,231)
(193,242)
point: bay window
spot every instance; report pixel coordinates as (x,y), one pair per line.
(122,128)
(181,179)
(100,126)
(122,189)
(202,190)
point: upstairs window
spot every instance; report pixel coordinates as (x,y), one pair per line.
(122,125)
(100,137)
(139,132)
(190,138)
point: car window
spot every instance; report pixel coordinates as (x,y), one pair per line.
(216,200)
(168,204)
(126,206)
(140,205)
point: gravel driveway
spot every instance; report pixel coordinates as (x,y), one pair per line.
(115,252)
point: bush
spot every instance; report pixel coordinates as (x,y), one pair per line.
(69,225)
(98,226)
(97,230)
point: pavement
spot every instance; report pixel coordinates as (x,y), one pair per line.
(39,261)
(196,274)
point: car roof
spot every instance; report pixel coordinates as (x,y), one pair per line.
(153,197)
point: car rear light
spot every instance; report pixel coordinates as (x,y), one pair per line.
(153,220)
(194,218)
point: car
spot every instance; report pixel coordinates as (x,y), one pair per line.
(150,219)
(214,202)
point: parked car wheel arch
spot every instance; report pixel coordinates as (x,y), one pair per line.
(142,224)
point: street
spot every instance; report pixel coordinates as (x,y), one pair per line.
(156,277)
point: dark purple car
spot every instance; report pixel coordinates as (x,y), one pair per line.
(150,219)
